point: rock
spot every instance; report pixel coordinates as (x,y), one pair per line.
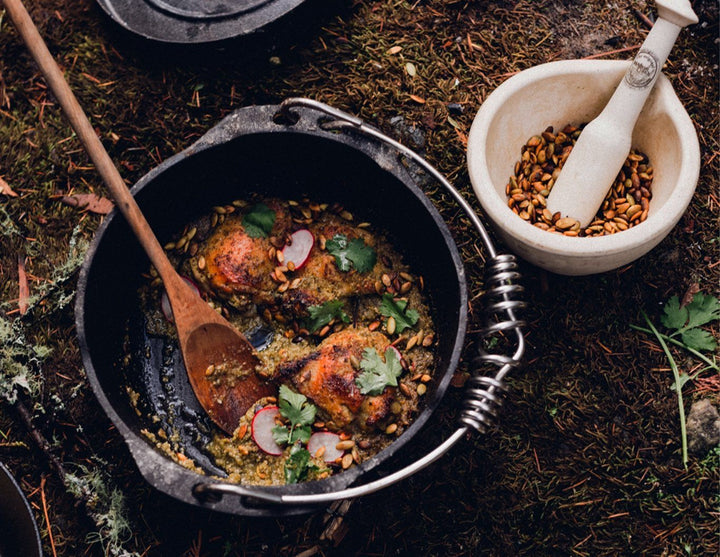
(703,427)
(409,134)
(456,109)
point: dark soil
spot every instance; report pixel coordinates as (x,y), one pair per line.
(586,456)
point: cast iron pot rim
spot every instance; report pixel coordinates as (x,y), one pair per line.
(234,126)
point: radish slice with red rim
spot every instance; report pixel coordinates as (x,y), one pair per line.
(298,250)
(326,439)
(397,352)
(165,301)
(262,425)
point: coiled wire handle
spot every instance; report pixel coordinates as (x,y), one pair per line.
(483,395)
(484,392)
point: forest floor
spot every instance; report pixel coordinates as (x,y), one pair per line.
(586,457)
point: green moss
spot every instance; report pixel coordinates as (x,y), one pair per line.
(584,459)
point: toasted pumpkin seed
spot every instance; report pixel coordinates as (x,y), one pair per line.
(540,165)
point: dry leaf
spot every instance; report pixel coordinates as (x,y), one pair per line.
(24,289)
(690,294)
(5,189)
(89,202)
(417,99)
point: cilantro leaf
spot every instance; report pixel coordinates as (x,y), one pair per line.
(284,436)
(301,434)
(378,374)
(281,434)
(324,313)
(702,310)
(699,339)
(295,407)
(337,246)
(297,465)
(299,412)
(258,222)
(350,254)
(675,316)
(685,321)
(404,318)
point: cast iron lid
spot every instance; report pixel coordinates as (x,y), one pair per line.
(196,21)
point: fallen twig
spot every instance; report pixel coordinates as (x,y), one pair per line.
(645,20)
(335,527)
(47,517)
(39,438)
(611,52)
(23,288)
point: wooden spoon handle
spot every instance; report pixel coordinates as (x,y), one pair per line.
(79,122)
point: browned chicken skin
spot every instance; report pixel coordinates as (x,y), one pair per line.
(237,265)
(327,376)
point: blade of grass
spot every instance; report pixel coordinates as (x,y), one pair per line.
(676,373)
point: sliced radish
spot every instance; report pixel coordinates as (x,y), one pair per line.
(298,250)
(329,441)
(397,352)
(165,301)
(262,425)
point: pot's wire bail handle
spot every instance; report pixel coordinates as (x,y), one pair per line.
(501,327)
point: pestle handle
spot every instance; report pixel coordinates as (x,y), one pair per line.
(679,12)
(604,144)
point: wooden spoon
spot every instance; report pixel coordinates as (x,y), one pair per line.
(206,339)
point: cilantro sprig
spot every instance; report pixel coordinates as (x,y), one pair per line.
(324,313)
(685,321)
(397,309)
(351,254)
(297,465)
(258,221)
(378,374)
(299,412)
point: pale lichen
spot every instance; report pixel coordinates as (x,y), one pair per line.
(106,506)
(20,361)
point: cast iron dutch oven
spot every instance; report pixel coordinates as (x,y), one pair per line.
(19,535)
(256,149)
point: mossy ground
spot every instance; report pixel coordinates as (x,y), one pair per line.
(586,457)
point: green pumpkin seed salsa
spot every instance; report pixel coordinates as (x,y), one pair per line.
(351,350)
